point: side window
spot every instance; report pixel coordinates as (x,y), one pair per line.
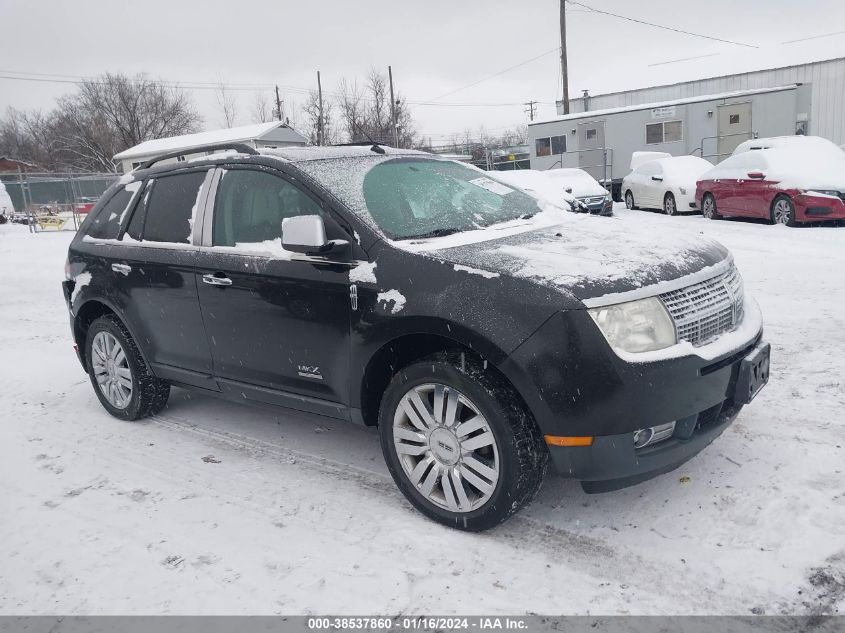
(106,225)
(171,207)
(543,146)
(250,205)
(136,223)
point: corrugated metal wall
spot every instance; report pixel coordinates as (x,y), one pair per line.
(827,114)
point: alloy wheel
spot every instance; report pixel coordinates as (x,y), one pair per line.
(669,205)
(446,447)
(783,211)
(629,200)
(111,370)
(707,209)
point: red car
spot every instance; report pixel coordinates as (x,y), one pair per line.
(785,185)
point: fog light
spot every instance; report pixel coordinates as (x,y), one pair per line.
(653,434)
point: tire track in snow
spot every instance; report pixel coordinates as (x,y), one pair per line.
(595,557)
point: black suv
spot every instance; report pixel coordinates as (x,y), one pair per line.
(482,330)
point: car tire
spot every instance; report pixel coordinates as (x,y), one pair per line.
(470,479)
(119,374)
(783,211)
(708,207)
(629,201)
(670,207)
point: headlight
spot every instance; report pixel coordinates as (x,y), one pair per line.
(636,326)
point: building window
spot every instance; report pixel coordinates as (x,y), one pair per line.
(734,119)
(550,145)
(664,132)
(544,146)
(591,133)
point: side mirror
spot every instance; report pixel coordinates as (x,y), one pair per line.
(657,178)
(307,234)
(756,175)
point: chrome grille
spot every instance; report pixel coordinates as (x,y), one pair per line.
(705,310)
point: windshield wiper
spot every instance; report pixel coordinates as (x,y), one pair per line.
(433,233)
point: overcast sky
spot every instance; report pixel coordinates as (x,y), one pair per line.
(435,47)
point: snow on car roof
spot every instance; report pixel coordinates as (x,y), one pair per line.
(324,152)
(189,141)
(805,143)
(792,167)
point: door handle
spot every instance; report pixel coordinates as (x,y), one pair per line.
(123,269)
(213,280)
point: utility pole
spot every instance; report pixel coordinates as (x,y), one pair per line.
(563,69)
(530,109)
(393,108)
(278,105)
(320,110)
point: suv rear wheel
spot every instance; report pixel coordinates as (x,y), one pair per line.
(458,444)
(121,378)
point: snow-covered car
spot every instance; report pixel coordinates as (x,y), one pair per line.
(539,185)
(665,183)
(586,189)
(484,331)
(789,185)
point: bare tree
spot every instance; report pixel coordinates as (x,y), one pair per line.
(262,111)
(105,116)
(366,112)
(311,115)
(228,104)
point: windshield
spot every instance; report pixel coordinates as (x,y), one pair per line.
(415,198)
(412,195)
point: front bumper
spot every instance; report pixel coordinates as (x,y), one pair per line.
(604,206)
(810,208)
(612,462)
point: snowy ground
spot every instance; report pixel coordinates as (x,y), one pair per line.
(296,514)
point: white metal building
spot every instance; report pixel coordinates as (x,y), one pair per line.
(706,117)
(272,134)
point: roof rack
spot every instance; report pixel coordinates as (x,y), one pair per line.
(242,148)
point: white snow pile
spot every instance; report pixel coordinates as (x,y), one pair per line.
(363,273)
(392,296)
(476,271)
(581,183)
(6,205)
(639,158)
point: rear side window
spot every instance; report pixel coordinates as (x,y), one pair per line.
(106,225)
(171,208)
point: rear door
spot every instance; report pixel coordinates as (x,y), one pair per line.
(754,195)
(155,280)
(278,323)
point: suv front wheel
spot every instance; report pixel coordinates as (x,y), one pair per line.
(458,443)
(121,378)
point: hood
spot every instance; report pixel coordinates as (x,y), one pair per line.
(588,256)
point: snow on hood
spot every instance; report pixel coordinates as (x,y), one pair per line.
(588,256)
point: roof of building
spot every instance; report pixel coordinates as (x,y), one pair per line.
(663,104)
(230,135)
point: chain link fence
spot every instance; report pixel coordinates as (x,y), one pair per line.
(53,201)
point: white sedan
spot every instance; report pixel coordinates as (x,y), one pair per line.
(666,183)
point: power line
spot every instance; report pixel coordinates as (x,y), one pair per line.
(659,26)
(198,85)
(814,37)
(501,72)
(684,59)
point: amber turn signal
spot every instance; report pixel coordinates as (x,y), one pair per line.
(561,440)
